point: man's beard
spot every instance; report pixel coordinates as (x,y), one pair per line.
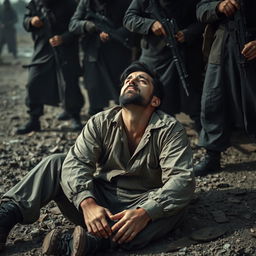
(135,99)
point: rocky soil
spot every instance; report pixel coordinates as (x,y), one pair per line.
(221,220)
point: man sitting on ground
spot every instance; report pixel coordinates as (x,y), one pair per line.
(126,181)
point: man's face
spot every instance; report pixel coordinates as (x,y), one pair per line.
(137,89)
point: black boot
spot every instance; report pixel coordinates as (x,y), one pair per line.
(79,243)
(10,215)
(76,124)
(32,125)
(208,164)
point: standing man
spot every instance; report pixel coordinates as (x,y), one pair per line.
(55,69)
(142,17)
(8,19)
(104,43)
(130,165)
(229,94)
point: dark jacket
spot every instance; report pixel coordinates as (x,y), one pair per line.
(206,13)
(236,81)
(91,43)
(42,82)
(139,18)
(103,61)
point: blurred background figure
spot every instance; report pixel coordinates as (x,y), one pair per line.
(147,17)
(105,43)
(55,69)
(8,19)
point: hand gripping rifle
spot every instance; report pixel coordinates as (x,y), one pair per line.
(105,25)
(44,13)
(171,29)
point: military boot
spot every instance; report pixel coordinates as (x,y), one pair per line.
(32,125)
(80,243)
(10,215)
(210,163)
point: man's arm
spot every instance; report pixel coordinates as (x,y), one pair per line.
(134,20)
(177,176)
(80,164)
(77,178)
(78,23)
(207,11)
(31,20)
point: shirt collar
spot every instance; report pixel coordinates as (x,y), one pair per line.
(155,121)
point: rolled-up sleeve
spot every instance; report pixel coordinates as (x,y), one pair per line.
(80,164)
(177,177)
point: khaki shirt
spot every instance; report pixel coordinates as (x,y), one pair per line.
(160,167)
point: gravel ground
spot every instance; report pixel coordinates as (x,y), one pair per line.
(220,220)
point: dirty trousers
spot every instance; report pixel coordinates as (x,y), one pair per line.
(42,184)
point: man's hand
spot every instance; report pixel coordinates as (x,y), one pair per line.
(36,22)
(228,7)
(180,37)
(129,224)
(158,29)
(55,41)
(95,217)
(104,37)
(249,50)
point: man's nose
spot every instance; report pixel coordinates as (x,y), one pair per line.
(133,81)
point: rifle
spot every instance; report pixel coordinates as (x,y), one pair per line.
(106,25)
(171,29)
(44,14)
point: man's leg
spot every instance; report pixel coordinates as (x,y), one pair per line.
(22,203)
(81,243)
(214,136)
(74,101)
(91,244)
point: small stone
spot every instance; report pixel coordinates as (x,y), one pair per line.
(226,246)
(55,211)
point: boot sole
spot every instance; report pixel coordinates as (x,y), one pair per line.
(79,242)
